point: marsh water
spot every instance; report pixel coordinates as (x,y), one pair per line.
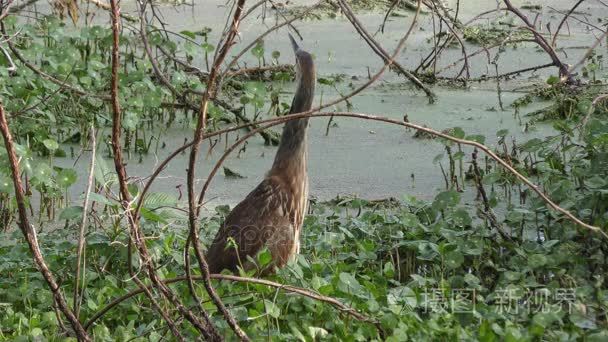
(368,159)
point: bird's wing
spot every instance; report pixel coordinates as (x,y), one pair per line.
(263,218)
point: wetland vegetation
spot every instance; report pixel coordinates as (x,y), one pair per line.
(459,183)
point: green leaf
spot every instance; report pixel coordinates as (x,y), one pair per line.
(477,137)
(388,269)
(43,173)
(71,213)
(133,189)
(583,321)
(457,132)
(258,49)
(272,309)
(264,257)
(190,48)
(348,283)
(454,259)
(159,199)
(152,216)
(208,48)
(229,173)
(317,333)
(502,133)
(446,199)
(50,144)
(66,178)
(537,260)
(91,304)
(130,120)
(552,80)
(188,34)
(438,158)
(103,174)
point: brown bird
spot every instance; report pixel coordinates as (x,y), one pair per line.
(271,215)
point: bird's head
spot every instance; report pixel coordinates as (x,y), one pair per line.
(305,71)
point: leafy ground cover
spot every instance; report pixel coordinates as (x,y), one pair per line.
(500,266)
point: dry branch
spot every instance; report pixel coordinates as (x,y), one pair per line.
(205,328)
(542,42)
(288,288)
(193,211)
(379,50)
(83,222)
(564,19)
(485,149)
(30,233)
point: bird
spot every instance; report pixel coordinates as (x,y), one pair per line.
(271,215)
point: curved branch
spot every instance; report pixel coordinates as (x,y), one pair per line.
(30,233)
(542,42)
(564,19)
(193,211)
(379,50)
(83,223)
(137,236)
(289,288)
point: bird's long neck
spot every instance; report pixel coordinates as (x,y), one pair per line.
(292,150)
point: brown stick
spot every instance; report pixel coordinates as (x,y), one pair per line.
(542,42)
(379,50)
(146,260)
(193,211)
(5,8)
(83,223)
(561,23)
(30,233)
(484,148)
(289,288)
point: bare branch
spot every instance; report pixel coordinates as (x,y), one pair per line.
(207,330)
(542,42)
(193,211)
(288,288)
(561,23)
(379,50)
(83,223)
(30,233)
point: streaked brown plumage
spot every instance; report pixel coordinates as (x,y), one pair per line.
(271,215)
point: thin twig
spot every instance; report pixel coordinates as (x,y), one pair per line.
(542,42)
(5,8)
(594,104)
(564,19)
(136,234)
(83,223)
(12,67)
(484,199)
(193,211)
(379,50)
(277,121)
(30,233)
(289,288)
(588,53)
(228,71)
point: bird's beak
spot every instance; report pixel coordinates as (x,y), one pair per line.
(294,45)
